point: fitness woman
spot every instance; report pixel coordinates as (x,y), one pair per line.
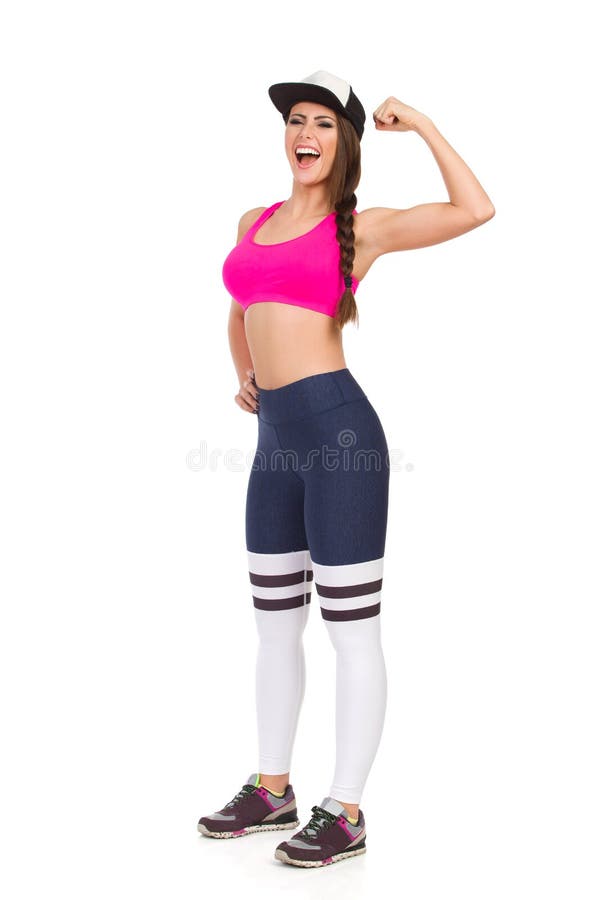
(317,495)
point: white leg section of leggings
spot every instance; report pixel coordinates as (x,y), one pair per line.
(350,598)
(281,586)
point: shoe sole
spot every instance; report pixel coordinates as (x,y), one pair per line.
(313,863)
(250,829)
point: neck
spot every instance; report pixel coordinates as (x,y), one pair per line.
(308,202)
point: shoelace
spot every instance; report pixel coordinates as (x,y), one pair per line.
(320,819)
(245,791)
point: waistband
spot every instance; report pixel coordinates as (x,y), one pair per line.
(308,396)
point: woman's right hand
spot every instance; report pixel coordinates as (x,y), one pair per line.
(247,397)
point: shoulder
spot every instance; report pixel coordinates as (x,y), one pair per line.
(248,219)
(365,221)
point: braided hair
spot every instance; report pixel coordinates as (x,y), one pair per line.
(343,181)
(346,311)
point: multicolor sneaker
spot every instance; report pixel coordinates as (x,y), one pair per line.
(254,808)
(327,838)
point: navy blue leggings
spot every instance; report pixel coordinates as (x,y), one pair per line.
(317,507)
(320,474)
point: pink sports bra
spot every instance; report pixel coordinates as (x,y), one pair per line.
(304,271)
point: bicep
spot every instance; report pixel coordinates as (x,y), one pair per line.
(387,230)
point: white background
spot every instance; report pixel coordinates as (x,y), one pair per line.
(134,135)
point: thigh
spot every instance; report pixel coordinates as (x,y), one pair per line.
(346,485)
(345,513)
(274,500)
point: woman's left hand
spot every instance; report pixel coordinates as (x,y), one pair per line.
(393,115)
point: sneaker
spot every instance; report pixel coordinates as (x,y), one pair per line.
(327,838)
(254,808)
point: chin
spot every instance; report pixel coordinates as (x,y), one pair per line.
(307,176)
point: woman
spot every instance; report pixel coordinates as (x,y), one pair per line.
(317,497)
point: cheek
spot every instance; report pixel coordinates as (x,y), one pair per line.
(331,145)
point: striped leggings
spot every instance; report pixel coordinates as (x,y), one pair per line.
(316,512)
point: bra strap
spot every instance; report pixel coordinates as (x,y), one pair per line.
(264,215)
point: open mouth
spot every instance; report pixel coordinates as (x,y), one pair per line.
(307,157)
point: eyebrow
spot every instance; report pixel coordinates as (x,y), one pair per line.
(316,117)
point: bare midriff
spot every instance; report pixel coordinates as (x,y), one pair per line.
(288,342)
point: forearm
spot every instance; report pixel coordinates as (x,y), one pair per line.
(463,187)
(238,345)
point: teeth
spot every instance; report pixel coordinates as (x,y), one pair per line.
(307,150)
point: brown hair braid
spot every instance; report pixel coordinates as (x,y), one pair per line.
(342,183)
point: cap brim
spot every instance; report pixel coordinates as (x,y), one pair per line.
(286,93)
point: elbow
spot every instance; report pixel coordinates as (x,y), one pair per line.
(486,215)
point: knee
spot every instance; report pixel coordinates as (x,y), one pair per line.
(356,636)
(281,629)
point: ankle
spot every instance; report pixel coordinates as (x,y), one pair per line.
(275,782)
(351,809)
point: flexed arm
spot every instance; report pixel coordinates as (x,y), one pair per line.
(385,230)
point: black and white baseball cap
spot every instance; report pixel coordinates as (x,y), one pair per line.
(321,87)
